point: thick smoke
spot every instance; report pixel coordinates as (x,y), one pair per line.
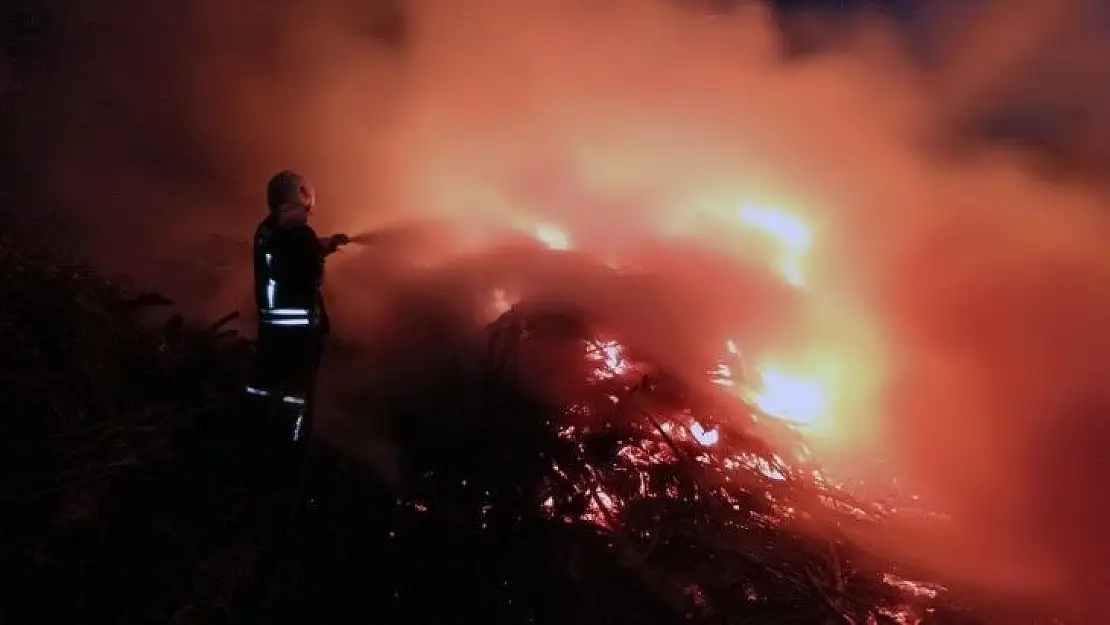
(968,289)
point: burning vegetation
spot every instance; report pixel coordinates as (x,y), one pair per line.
(706,499)
(697,494)
(693,496)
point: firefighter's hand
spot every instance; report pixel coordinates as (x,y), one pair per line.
(336,241)
(332,243)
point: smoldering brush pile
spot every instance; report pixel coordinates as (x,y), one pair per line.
(713,511)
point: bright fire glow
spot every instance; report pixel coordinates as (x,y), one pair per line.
(792,397)
(554,238)
(813,395)
(807,399)
(792,235)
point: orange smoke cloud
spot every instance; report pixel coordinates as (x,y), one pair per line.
(954,307)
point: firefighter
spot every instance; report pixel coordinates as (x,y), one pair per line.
(292,321)
(292,328)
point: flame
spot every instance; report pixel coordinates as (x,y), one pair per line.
(803,399)
(800,399)
(793,237)
(553,237)
(831,384)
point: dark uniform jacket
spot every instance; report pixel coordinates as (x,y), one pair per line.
(288,274)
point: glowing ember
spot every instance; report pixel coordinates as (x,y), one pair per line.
(554,238)
(707,438)
(917,589)
(601,507)
(610,358)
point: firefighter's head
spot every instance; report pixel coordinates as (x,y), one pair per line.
(290,191)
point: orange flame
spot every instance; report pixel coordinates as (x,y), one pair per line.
(554,238)
(791,397)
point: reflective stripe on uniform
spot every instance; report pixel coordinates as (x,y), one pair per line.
(286,322)
(285,316)
(284,312)
(297,427)
(289,399)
